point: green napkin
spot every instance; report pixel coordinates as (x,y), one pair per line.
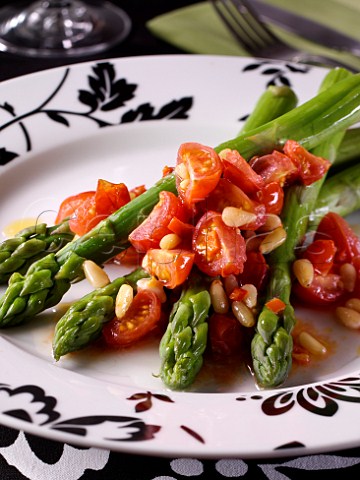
(198,29)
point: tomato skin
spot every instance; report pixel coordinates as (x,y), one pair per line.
(275,167)
(311,168)
(227,194)
(69,205)
(336,228)
(321,254)
(272,196)
(255,271)
(324,290)
(143,314)
(238,171)
(219,249)
(170,267)
(109,197)
(203,169)
(225,334)
(149,233)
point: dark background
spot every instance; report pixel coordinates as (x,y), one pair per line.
(139,42)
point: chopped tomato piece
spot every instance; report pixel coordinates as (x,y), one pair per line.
(140,319)
(183,229)
(238,294)
(275,167)
(239,172)
(311,168)
(225,334)
(321,254)
(219,249)
(276,305)
(198,171)
(336,228)
(136,191)
(149,233)
(109,197)
(171,267)
(226,194)
(272,196)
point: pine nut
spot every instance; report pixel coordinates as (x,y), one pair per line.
(304,271)
(230,282)
(272,221)
(243,314)
(123,300)
(219,299)
(154,285)
(353,303)
(273,240)
(169,241)
(348,317)
(311,344)
(348,276)
(250,299)
(236,217)
(224,153)
(95,274)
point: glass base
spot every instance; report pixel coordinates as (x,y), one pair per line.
(69,28)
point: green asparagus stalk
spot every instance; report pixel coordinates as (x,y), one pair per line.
(47,280)
(271,347)
(340,194)
(274,102)
(83,321)
(184,341)
(349,150)
(30,244)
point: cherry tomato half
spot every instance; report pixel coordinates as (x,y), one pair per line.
(198,171)
(311,168)
(170,267)
(149,233)
(239,172)
(219,249)
(336,228)
(272,196)
(109,197)
(324,290)
(70,205)
(140,319)
(225,334)
(227,194)
(275,167)
(321,254)
(255,271)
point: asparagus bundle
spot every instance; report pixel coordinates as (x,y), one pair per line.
(30,244)
(49,278)
(271,347)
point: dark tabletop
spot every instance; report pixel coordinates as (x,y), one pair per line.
(24,456)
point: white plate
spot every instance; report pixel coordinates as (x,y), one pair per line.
(50,122)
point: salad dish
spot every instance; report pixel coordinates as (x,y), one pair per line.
(178,265)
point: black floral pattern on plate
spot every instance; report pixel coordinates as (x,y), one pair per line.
(105,93)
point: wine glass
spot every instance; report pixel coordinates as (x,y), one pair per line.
(61,28)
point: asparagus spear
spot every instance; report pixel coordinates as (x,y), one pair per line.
(340,194)
(83,322)
(184,341)
(30,244)
(274,102)
(48,279)
(271,347)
